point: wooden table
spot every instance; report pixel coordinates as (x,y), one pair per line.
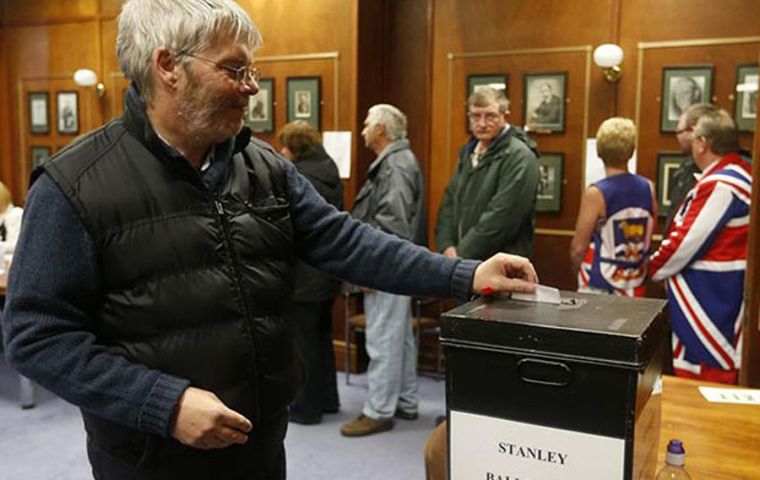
(722,440)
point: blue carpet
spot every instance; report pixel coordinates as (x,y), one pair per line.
(48,441)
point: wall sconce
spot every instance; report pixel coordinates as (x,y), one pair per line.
(84,77)
(608,57)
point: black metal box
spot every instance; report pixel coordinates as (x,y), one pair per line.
(536,391)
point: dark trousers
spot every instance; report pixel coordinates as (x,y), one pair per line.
(312,324)
(261,458)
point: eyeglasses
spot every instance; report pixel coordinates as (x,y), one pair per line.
(244,74)
(684,130)
(489,117)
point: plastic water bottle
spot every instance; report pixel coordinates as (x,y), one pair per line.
(674,463)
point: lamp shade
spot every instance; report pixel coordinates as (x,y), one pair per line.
(608,55)
(84,77)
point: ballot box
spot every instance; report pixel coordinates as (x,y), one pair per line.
(538,391)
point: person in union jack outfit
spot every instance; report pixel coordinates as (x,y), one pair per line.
(703,256)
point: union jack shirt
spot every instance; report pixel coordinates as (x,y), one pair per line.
(703,259)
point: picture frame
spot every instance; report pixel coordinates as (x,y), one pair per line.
(667,163)
(549,192)
(259,116)
(67,111)
(683,86)
(745,98)
(39,113)
(38,156)
(304,100)
(544,99)
(494,80)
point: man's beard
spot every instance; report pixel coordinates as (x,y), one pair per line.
(202,113)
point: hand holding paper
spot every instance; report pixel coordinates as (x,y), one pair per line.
(505,273)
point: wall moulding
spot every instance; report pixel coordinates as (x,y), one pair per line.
(454,58)
(330,56)
(692,43)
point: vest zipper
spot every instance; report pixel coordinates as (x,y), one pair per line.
(238,280)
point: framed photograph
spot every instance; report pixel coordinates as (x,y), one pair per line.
(38,156)
(496,81)
(39,112)
(681,88)
(549,193)
(745,106)
(67,109)
(544,102)
(667,164)
(303,99)
(259,116)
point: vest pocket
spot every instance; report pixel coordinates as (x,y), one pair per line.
(277,216)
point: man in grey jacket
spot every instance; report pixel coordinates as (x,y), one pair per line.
(391,200)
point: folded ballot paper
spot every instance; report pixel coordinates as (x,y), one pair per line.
(543,294)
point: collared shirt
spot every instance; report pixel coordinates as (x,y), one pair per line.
(480,150)
(214,163)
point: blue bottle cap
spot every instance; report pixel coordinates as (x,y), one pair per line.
(676,447)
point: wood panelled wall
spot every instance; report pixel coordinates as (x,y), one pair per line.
(48,40)
(463,28)
(413,53)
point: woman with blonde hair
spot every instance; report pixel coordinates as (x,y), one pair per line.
(613,231)
(10,220)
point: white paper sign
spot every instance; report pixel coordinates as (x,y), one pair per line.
(731,395)
(595,166)
(488,448)
(338,146)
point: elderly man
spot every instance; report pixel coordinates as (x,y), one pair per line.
(489,204)
(392,201)
(156,258)
(703,257)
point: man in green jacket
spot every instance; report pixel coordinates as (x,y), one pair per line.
(489,205)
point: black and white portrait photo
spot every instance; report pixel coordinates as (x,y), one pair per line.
(745,107)
(303,99)
(549,192)
(39,156)
(684,92)
(683,87)
(68,112)
(303,104)
(258,106)
(259,115)
(545,102)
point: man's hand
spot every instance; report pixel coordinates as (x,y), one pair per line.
(203,421)
(451,252)
(505,273)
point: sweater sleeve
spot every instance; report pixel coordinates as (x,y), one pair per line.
(49,328)
(334,242)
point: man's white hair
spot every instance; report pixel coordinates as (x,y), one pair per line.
(389,116)
(187,26)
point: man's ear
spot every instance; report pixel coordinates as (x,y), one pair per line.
(165,64)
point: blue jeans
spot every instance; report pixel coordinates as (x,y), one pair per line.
(392,350)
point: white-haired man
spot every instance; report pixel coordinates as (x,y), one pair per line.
(156,259)
(392,201)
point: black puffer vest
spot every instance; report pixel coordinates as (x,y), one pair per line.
(193,280)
